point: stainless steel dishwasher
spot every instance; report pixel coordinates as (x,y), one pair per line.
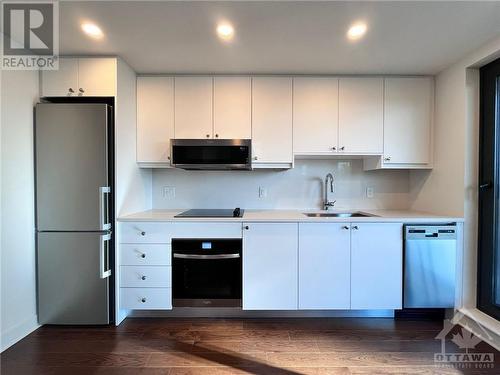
(430,266)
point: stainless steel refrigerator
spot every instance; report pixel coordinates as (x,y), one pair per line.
(73,212)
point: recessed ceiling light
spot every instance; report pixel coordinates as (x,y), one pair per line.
(356,31)
(225,31)
(92,30)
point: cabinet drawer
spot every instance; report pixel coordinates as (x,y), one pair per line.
(145,255)
(206,230)
(146,298)
(145,232)
(145,276)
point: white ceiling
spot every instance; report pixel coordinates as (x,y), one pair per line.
(281,37)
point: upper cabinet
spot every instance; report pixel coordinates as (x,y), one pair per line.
(315,115)
(96,76)
(193,107)
(407,120)
(61,82)
(232,108)
(388,121)
(272,122)
(361,115)
(155,120)
(80,77)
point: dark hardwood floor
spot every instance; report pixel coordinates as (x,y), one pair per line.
(240,346)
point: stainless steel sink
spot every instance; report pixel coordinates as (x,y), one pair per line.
(337,214)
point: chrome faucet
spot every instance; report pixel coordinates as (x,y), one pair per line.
(326,203)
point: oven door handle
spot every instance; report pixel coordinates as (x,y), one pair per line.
(216,256)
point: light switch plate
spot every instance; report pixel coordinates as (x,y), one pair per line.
(262,192)
(369,192)
(168,192)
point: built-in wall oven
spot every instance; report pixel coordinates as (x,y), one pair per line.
(206,272)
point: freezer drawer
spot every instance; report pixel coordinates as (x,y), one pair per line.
(70,287)
(430,266)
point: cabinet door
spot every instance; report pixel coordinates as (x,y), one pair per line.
(60,82)
(407,120)
(272,119)
(315,115)
(97,76)
(193,107)
(376,266)
(155,119)
(270,266)
(232,108)
(324,266)
(361,115)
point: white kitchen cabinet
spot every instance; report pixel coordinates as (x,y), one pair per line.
(145,232)
(272,122)
(324,266)
(407,120)
(146,298)
(376,266)
(155,120)
(61,82)
(232,108)
(270,262)
(145,254)
(315,115)
(81,77)
(145,276)
(361,115)
(97,76)
(193,107)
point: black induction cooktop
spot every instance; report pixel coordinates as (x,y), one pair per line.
(237,212)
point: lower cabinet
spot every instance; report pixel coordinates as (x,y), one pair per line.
(376,266)
(270,263)
(324,266)
(286,266)
(146,298)
(145,272)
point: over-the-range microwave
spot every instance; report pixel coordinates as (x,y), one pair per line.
(211,154)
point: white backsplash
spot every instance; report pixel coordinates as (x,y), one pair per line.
(298,188)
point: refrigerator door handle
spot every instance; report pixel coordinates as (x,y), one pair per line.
(103,208)
(103,256)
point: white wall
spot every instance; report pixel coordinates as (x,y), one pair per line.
(446,180)
(18,283)
(298,188)
(132,184)
(452,186)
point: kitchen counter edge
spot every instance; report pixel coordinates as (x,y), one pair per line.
(399,216)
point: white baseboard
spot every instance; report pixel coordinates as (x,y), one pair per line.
(482,325)
(14,334)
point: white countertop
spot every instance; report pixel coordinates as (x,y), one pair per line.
(404,216)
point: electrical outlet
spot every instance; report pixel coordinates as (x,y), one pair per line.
(262,192)
(168,192)
(369,192)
